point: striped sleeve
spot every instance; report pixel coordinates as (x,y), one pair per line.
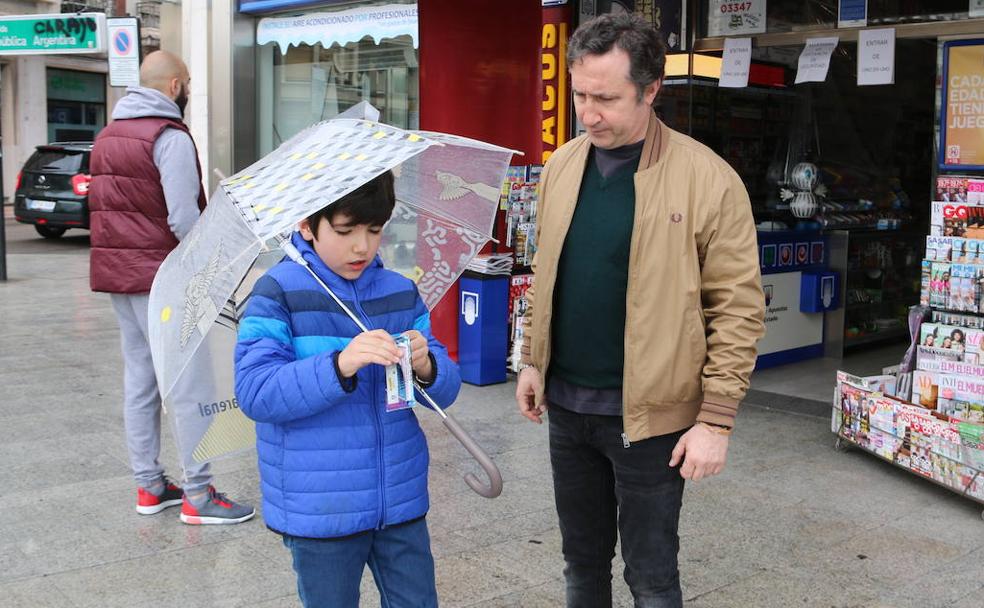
(273,384)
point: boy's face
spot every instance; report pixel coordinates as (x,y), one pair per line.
(346,248)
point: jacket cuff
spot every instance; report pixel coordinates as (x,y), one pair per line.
(348,384)
(718,410)
(423,384)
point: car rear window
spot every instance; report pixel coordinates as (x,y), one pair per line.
(56,160)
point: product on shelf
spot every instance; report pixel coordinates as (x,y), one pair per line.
(935,446)
(518,286)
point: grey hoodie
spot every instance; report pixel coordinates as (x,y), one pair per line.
(174,155)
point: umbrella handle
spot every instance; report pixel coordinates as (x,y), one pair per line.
(494,488)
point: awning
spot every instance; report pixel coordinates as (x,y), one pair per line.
(341,27)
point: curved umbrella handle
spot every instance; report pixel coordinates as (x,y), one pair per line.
(495,478)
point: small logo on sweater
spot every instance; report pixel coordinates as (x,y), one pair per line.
(676,218)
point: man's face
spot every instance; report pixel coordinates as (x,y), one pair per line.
(606,101)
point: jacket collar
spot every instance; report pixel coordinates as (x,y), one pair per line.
(341,286)
(654,148)
(656,141)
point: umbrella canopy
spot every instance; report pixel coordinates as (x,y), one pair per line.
(447,191)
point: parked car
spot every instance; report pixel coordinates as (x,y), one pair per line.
(52,189)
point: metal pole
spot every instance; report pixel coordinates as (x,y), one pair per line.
(3,226)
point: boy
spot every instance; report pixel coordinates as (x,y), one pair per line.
(343,480)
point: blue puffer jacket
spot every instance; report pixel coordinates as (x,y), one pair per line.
(332,462)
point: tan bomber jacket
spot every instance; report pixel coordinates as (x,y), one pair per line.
(694,301)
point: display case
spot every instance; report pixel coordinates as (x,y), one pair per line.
(882,281)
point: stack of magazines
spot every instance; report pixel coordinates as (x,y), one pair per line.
(495,264)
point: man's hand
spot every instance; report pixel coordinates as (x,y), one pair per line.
(530,383)
(419,360)
(375,346)
(703,453)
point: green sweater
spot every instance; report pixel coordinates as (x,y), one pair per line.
(589,297)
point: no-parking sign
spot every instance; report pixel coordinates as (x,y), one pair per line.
(123,46)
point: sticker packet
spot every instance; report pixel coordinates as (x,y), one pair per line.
(399,379)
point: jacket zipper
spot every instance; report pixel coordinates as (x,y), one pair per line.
(377,420)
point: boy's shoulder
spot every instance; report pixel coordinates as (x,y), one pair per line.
(393,279)
(286,273)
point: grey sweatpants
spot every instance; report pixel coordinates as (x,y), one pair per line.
(142,400)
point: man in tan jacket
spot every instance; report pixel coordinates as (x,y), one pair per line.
(645,312)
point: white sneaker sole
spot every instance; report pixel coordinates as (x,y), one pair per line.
(196,520)
(155,509)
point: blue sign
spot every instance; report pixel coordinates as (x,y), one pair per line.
(270,6)
(852,12)
(122,42)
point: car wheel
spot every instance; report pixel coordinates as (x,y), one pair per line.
(50,233)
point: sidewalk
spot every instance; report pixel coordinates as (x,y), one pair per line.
(790,523)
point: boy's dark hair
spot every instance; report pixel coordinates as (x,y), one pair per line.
(632,34)
(371,203)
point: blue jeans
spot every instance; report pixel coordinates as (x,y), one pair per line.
(329,571)
(604,490)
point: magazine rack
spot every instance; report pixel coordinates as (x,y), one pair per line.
(907,436)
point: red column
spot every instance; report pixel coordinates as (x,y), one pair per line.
(480,77)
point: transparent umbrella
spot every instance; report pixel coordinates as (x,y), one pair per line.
(447,191)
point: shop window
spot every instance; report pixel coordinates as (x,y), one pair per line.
(873,150)
(800,15)
(313,83)
(76,104)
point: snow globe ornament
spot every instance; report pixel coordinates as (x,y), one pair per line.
(804,176)
(804,204)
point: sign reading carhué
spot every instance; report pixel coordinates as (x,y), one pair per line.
(49,34)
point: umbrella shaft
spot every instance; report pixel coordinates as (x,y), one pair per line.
(295,255)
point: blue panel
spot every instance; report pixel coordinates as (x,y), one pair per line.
(815,287)
(789,356)
(482,329)
(792,251)
(271,6)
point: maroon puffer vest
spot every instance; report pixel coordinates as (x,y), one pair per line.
(130,236)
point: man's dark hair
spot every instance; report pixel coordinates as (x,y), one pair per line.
(632,34)
(371,203)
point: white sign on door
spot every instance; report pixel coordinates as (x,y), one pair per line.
(876,56)
(736,62)
(726,18)
(814,61)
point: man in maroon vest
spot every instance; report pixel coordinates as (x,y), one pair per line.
(145,196)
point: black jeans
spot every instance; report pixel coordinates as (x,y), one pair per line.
(603,490)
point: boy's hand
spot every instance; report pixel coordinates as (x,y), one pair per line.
(420,362)
(375,346)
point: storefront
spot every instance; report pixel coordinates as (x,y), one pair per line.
(839,163)
(52,82)
(76,104)
(480,63)
(857,127)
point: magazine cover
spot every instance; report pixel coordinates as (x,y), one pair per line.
(952,188)
(961,397)
(518,286)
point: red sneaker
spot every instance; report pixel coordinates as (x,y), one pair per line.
(218,509)
(148,504)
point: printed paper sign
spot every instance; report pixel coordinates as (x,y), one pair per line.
(736,62)
(976,8)
(726,18)
(876,57)
(814,61)
(852,13)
